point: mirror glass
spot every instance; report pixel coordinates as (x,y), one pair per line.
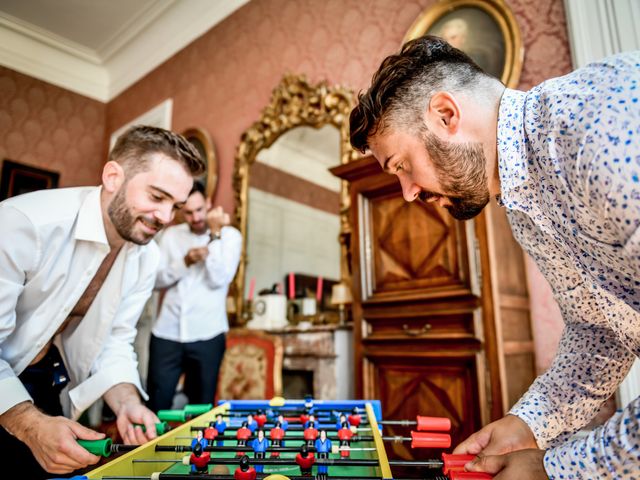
(293,215)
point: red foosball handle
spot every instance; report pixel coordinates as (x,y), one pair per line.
(453,462)
(433,424)
(430,440)
(469,476)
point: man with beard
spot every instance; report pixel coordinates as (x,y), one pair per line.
(199,259)
(76,267)
(563,159)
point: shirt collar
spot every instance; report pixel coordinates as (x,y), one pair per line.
(512,159)
(90,225)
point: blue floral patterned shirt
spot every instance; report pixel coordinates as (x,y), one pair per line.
(569,165)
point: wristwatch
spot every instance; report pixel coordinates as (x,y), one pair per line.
(215,235)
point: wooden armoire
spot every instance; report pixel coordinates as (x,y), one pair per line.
(440,310)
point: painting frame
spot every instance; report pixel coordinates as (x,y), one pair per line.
(492,12)
(18,178)
(201,139)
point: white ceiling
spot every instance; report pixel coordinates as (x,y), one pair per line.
(98,48)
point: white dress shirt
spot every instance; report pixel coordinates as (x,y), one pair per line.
(194,306)
(52,243)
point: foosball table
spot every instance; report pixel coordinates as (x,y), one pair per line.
(279,440)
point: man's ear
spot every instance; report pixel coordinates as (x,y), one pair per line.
(443,113)
(112,176)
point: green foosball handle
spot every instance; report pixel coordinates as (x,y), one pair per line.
(97,447)
(172,415)
(161,428)
(197,409)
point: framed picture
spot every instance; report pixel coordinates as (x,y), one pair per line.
(200,139)
(18,178)
(486,30)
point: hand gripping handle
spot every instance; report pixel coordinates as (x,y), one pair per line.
(453,462)
(469,476)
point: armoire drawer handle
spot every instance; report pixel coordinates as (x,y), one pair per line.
(415,332)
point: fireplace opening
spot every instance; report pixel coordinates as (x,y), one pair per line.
(297,383)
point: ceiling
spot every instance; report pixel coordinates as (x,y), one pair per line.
(98,48)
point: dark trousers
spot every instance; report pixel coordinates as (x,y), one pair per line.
(44,381)
(199,360)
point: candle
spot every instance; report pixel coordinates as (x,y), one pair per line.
(252,287)
(319,290)
(292,286)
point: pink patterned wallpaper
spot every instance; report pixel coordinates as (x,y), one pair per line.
(48,127)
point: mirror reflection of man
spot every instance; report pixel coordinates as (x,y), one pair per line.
(76,267)
(562,159)
(199,259)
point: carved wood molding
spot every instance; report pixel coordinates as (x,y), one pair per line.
(294,102)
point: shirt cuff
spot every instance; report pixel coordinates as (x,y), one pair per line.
(536,414)
(86,393)
(13,393)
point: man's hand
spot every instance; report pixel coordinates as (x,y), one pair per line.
(520,465)
(196,255)
(216,219)
(506,435)
(125,402)
(52,440)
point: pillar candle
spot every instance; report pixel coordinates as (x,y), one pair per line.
(319,290)
(252,287)
(292,286)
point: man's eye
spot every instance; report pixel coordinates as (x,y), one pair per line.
(399,166)
(157,198)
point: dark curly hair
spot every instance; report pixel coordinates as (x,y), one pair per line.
(133,147)
(402,86)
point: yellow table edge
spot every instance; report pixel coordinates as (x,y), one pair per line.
(377,438)
(148,449)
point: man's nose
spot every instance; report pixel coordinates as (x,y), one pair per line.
(164,214)
(410,190)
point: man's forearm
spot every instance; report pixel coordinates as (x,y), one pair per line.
(21,418)
(120,395)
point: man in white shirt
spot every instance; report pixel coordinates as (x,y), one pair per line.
(198,260)
(76,267)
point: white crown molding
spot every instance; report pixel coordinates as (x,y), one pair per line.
(168,36)
(32,57)
(137,48)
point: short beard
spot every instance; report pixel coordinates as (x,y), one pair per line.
(462,173)
(124,222)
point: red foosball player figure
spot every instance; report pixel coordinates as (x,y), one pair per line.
(344,434)
(199,460)
(276,434)
(305,460)
(355,419)
(304,418)
(310,434)
(245,471)
(260,418)
(210,433)
(242,435)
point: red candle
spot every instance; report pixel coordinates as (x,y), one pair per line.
(292,286)
(319,290)
(252,287)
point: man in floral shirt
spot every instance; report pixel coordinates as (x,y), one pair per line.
(564,160)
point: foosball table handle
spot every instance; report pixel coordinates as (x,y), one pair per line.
(469,476)
(430,440)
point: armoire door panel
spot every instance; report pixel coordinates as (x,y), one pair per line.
(434,386)
(411,248)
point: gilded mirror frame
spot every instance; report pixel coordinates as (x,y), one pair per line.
(499,12)
(294,103)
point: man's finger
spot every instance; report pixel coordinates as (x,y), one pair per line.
(489,464)
(474,444)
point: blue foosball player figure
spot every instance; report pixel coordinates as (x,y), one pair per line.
(199,459)
(251,423)
(259,445)
(245,471)
(341,419)
(323,447)
(311,419)
(305,460)
(203,442)
(220,425)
